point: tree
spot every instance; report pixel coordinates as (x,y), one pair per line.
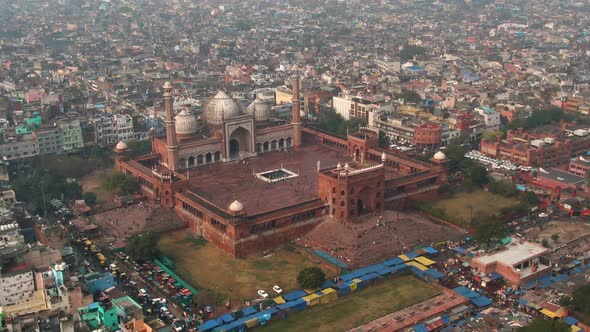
(487,228)
(490,136)
(142,246)
(581,299)
(545,243)
(530,199)
(89,198)
(409,96)
(544,325)
(311,278)
(410,51)
(555,237)
(129,185)
(456,155)
(139,148)
(478,175)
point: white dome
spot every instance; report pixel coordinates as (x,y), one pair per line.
(440,156)
(236,206)
(260,110)
(185,123)
(121,146)
(220,108)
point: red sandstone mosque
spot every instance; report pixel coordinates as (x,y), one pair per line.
(254,182)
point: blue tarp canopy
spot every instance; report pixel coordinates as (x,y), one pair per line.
(431,250)
(386,270)
(570,320)
(419,328)
(370,277)
(459,250)
(248,311)
(331,259)
(291,304)
(227,318)
(576,262)
(327,284)
(294,295)
(233,325)
(412,255)
(394,261)
(209,325)
(523,301)
(481,301)
(434,273)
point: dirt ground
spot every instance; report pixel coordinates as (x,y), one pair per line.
(459,207)
(237,279)
(566,230)
(93,183)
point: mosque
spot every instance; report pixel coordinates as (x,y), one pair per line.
(248,181)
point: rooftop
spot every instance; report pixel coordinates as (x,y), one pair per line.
(561,176)
(223,183)
(514,253)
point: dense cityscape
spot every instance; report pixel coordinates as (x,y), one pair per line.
(294,165)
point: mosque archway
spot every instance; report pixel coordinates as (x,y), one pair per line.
(182,162)
(281,143)
(364,201)
(191,161)
(239,141)
(273,145)
(265,147)
(208,158)
(217,156)
(289,142)
(200,159)
(258,147)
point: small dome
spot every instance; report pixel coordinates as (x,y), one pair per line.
(260,110)
(121,146)
(185,123)
(167,85)
(236,206)
(220,108)
(440,156)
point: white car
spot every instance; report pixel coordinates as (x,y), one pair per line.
(543,215)
(277,289)
(263,294)
(142,292)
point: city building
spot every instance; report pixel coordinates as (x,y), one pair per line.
(255,183)
(579,166)
(50,140)
(518,263)
(491,118)
(112,128)
(72,134)
(17,284)
(19,147)
(547,146)
(387,65)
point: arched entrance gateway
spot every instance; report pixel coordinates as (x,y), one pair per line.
(239,142)
(364,201)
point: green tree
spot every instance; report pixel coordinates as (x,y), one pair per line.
(581,299)
(545,243)
(409,96)
(478,175)
(142,246)
(89,198)
(410,51)
(487,228)
(530,199)
(139,148)
(545,325)
(311,277)
(555,237)
(113,180)
(129,185)
(456,155)
(491,135)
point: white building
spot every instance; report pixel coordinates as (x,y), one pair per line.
(112,128)
(16,286)
(342,106)
(388,66)
(491,118)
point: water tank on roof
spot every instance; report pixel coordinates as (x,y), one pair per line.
(549,140)
(581,132)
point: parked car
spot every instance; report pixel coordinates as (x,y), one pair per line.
(277,289)
(262,293)
(543,215)
(142,292)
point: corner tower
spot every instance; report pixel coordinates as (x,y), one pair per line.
(171,143)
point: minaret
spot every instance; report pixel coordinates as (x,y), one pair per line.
(296,117)
(171,144)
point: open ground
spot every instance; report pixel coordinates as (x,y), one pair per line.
(360,307)
(93,183)
(461,207)
(210,268)
(567,231)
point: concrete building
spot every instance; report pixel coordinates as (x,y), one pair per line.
(72,134)
(387,65)
(342,105)
(16,285)
(50,140)
(518,263)
(20,147)
(491,118)
(112,128)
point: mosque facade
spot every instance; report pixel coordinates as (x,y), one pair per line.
(247,181)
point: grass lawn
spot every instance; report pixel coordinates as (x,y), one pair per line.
(457,209)
(212,269)
(359,307)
